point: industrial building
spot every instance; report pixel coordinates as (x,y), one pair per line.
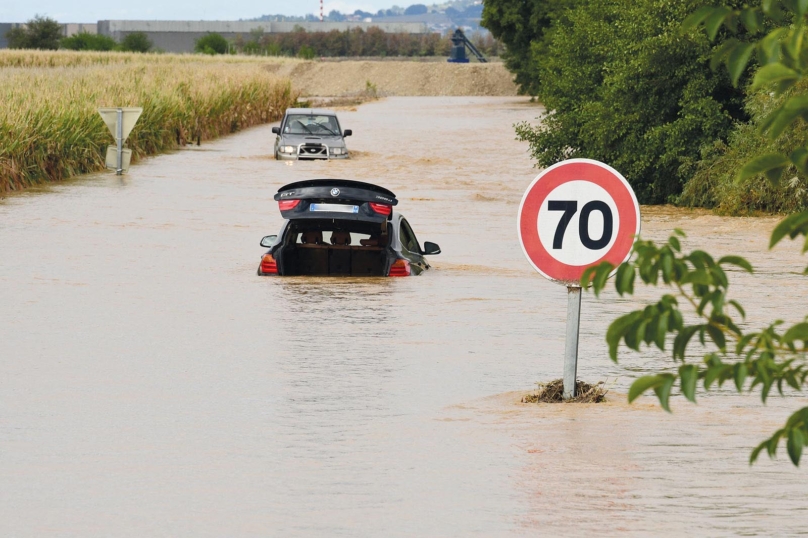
(181,36)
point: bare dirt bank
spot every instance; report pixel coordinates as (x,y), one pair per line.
(404,78)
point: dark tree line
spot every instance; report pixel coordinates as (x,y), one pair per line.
(356,42)
(44,33)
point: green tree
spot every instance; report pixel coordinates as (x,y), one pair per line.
(88,41)
(136,42)
(627,85)
(211,44)
(39,33)
(521,25)
(775,356)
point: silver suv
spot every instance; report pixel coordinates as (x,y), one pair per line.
(308,134)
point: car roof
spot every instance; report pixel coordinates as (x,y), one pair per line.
(311,111)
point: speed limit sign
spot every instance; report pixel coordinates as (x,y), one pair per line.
(576,214)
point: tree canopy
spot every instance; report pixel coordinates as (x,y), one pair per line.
(522,26)
(628,85)
(39,33)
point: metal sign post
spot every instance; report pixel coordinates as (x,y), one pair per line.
(119,121)
(571,344)
(577,214)
(119,140)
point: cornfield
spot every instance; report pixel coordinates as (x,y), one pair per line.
(50,128)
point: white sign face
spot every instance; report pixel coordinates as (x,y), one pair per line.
(130,116)
(576,214)
(578,223)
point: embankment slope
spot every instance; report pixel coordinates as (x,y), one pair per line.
(318,78)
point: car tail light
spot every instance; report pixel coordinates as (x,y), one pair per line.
(400,268)
(268,265)
(286,205)
(381,209)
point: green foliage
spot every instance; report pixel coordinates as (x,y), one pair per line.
(522,27)
(211,44)
(773,357)
(88,41)
(626,84)
(783,57)
(136,42)
(39,33)
(306,52)
(715,182)
(773,153)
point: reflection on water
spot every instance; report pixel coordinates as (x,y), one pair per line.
(153,384)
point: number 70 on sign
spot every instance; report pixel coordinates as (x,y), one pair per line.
(575,214)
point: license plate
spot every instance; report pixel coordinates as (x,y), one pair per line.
(334,208)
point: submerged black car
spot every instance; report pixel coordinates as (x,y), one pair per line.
(337,227)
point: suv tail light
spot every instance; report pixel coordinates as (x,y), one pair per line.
(381,209)
(268,265)
(400,268)
(286,205)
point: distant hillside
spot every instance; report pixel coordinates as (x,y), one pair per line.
(438,17)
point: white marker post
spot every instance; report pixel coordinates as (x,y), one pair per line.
(574,215)
(120,122)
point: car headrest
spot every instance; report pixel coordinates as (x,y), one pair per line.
(312,237)
(340,238)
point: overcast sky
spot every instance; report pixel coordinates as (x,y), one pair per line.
(95,10)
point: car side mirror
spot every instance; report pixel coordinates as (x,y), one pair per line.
(268,241)
(347,132)
(276,130)
(430,248)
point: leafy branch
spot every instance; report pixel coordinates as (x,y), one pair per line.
(782,55)
(773,357)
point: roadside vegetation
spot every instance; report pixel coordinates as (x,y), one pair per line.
(356,43)
(44,33)
(627,83)
(50,128)
(696,307)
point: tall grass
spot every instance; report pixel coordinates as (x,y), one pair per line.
(50,128)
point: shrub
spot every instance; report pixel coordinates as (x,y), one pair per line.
(136,42)
(211,44)
(88,41)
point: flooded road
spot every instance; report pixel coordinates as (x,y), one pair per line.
(153,385)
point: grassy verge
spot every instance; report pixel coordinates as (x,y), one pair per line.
(50,128)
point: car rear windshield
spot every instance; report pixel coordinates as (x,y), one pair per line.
(301,124)
(335,232)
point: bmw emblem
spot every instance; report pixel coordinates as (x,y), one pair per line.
(335,192)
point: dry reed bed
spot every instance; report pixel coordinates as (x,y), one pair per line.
(50,128)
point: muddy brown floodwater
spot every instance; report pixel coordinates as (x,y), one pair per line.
(153,385)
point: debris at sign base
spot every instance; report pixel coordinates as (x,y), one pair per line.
(553,392)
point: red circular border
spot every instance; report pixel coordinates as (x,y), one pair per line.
(564,172)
